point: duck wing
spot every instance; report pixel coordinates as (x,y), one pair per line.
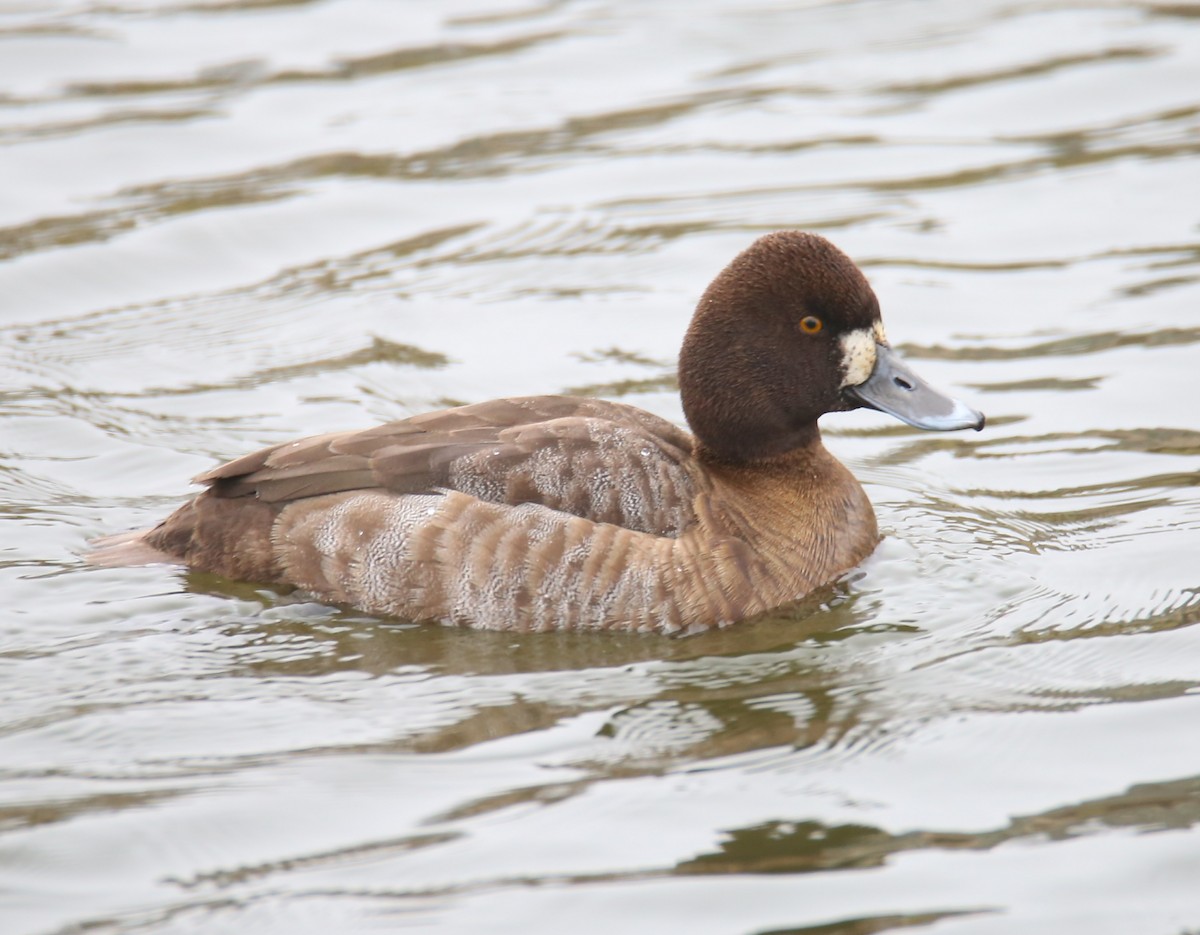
(599,460)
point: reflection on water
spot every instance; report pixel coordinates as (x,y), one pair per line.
(227,224)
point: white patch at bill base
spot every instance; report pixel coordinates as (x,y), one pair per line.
(858,355)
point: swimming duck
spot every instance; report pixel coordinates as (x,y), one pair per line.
(552,512)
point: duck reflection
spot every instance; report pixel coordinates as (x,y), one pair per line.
(668,700)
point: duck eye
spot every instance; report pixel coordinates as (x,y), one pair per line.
(810,324)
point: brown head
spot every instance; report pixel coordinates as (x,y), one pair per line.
(789,331)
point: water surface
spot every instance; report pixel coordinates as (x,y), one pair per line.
(225,224)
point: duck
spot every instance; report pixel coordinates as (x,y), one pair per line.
(562,513)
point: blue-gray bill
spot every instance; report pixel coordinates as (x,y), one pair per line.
(894,388)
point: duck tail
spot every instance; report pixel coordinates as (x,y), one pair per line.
(126,548)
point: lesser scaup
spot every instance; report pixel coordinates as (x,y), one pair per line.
(551,512)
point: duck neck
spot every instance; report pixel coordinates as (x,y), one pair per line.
(760,454)
(791,476)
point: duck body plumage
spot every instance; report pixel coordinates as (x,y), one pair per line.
(554,512)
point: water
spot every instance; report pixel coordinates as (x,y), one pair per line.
(226,224)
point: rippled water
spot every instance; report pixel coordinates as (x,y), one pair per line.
(224,224)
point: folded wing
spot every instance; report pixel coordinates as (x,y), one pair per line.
(598,460)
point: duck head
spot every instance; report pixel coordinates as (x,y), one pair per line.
(789,331)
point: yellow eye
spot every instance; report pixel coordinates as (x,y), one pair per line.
(810,324)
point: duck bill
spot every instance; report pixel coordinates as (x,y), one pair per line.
(894,388)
